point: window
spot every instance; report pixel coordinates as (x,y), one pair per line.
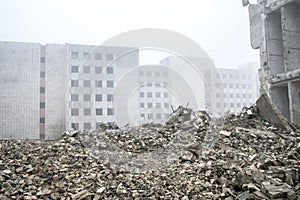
(150,116)
(249,86)
(109,56)
(98,70)
(157,84)
(87,126)
(42,120)
(238,105)
(74,83)
(74,55)
(237,86)
(157,74)
(231,95)
(98,97)
(149,94)
(149,73)
(99,111)
(42,105)
(142,94)
(142,105)
(86,97)
(167,115)
(43,60)
(110,84)
(74,97)
(237,95)
(86,111)
(149,84)
(157,94)
(230,85)
(158,116)
(109,70)
(74,69)
(150,105)
(98,84)
(166,95)
(42,89)
(42,74)
(75,126)
(86,54)
(110,111)
(110,97)
(142,116)
(158,105)
(244,86)
(225,105)
(165,74)
(250,95)
(166,105)
(231,105)
(98,56)
(74,112)
(86,69)
(86,83)
(165,84)
(244,96)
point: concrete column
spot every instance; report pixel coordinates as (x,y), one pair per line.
(294,96)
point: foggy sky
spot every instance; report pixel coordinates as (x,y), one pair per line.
(220,27)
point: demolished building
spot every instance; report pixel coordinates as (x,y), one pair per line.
(275,30)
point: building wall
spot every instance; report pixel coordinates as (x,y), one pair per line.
(19,90)
(55,89)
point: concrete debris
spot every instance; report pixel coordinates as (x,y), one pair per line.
(251,159)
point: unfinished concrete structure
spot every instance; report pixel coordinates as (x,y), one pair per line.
(275,30)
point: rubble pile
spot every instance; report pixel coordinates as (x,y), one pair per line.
(190,156)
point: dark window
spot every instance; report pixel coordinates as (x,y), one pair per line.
(74,83)
(110,111)
(86,54)
(98,70)
(150,105)
(110,97)
(158,105)
(98,56)
(98,97)
(98,83)
(142,105)
(166,95)
(74,111)
(157,94)
(141,94)
(75,126)
(43,59)
(74,69)
(158,116)
(87,111)
(86,69)
(109,56)
(74,97)
(74,55)
(42,105)
(87,126)
(149,94)
(166,105)
(150,116)
(99,111)
(86,97)
(42,120)
(42,74)
(42,89)
(86,83)
(149,73)
(110,84)
(109,70)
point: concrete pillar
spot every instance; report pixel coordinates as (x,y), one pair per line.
(290,15)
(280,97)
(294,96)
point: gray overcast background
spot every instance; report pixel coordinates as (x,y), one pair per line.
(221,27)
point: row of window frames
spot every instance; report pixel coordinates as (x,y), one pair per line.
(97,56)
(157,116)
(157,105)
(231,76)
(87,69)
(231,95)
(88,111)
(237,86)
(87,83)
(149,84)
(86,126)
(157,94)
(157,74)
(233,105)
(87,97)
